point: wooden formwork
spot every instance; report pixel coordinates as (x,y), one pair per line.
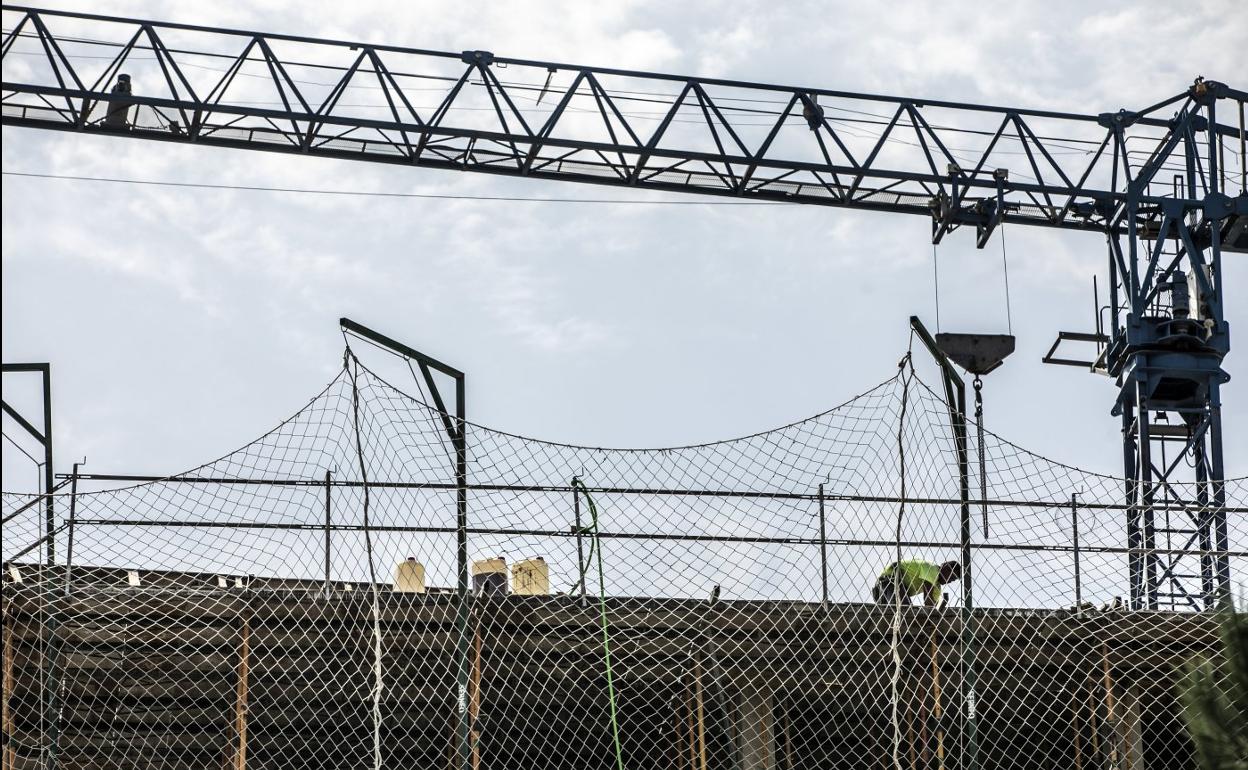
(172,677)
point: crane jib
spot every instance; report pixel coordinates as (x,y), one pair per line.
(960,164)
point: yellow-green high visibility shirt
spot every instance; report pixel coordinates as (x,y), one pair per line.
(916,576)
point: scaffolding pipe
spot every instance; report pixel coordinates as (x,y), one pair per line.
(823,545)
(69,539)
(328,529)
(955,398)
(1074,531)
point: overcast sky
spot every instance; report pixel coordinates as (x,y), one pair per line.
(182,323)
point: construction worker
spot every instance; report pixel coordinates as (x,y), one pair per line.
(913,577)
(119,105)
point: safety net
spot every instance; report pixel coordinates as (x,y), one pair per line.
(373,584)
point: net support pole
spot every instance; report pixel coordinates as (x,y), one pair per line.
(1074,536)
(823,546)
(456,428)
(474,698)
(52,686)
(329,519)
(955,397)
(580,542)
(1221,541)
(69,536)
(50,505)
(44,437)
(464,727)
(969,665)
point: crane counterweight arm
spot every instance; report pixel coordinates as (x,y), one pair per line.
(960,164)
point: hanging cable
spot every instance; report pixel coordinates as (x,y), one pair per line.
(375,194)
(896,572)
(1005,269)
(11,440)
(427,397)
(372,572)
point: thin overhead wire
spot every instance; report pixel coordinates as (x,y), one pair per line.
(21,449)
(383,194)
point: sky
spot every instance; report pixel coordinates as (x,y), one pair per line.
(181,323)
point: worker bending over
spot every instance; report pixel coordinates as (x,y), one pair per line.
(910,578)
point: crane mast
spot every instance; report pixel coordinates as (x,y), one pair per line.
(1155,184)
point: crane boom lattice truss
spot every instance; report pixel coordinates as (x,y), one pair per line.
(1155,182)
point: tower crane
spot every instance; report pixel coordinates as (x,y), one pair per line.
(1154,185)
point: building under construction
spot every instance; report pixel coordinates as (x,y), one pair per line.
(464,598)
(168,670)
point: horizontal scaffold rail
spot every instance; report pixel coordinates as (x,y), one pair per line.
(565,489)
(958,163)
(609,535)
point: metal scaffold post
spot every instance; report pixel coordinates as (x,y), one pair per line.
(955,397)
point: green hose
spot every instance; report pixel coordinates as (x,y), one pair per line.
(594,548)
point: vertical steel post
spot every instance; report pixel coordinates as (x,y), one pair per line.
(1135,571)
(1205,526)
(456,428)
(823,546)
(968,602)
(1137,567)
(464,727)
(53,698)
(955,395)
(1148,494)
(580,545)
(44,437)
(1222,580)
(69,539)
(328,523)
(1221,541)
(48,481)
(52,685)
(1133,445)
(1074,533)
